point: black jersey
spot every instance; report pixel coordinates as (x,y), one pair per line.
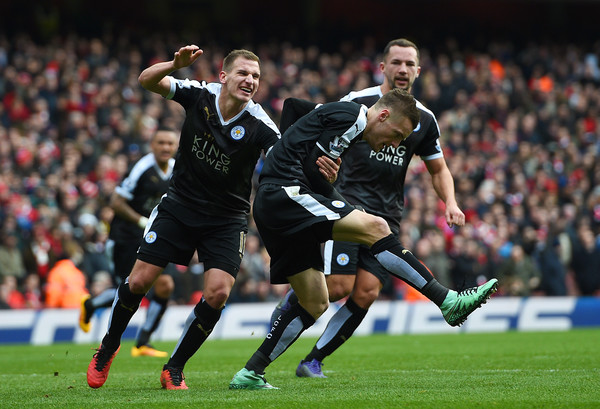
(216,158)
(375,180)
(142,188)
(332,127)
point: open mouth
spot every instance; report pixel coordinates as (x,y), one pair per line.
(246,90)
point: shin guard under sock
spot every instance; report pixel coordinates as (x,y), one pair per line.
(198,327)
(103,300)
(124,306)
(340,327)
(156,310)
(283,334)
(401,263)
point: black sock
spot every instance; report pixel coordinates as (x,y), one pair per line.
(156,310)
(289,297)
(401,263)
(293,298)
(340,327)
(89,309)
(123,309)
(198,327)
(283,334)
(435,292)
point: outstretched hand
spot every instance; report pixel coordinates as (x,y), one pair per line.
(329,168)
(186,56)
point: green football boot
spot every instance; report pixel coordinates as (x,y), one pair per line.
(246,379)
(457,306)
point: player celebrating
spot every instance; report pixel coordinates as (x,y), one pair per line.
(132,201)
(376,183)
(295,211)
(207,204)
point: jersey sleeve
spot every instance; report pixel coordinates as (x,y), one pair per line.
(430,147)
(341,128)
(129,184)
(184,91)
(294,109)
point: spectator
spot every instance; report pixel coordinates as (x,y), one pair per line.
(553,270)
(4,296)
(467,269)
(32,292)
(66,284)
(586,262)
(93,242)
(518,276)
(12,296)
(11,258)
(39,257)
(60,113)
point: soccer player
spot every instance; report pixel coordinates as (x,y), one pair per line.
(295,211)
(132,202)
(207,204)
(375,181)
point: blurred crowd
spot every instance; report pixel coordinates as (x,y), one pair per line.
(520,131)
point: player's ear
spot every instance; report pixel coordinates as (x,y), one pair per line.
(384,114)
(223,77)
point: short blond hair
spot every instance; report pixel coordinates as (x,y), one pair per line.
(400,102)
(235,54)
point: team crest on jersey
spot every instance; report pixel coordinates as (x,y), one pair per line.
(150,237)
(342,259)
(238,132)
(338,203)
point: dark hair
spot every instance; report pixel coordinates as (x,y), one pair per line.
(400,42)
(232,56)
(400,102)
(165,128)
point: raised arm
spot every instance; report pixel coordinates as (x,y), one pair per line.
(154,78)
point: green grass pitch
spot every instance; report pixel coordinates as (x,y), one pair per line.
(493,370)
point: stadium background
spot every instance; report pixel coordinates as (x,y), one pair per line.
(325,22)
(555,40)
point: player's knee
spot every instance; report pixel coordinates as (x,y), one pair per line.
(217,297)
(323,307)
(138,285)
(339,286)
(164,286)
(365,297)
(378,227)
(315,307)
(372,228)
(319,308)
(337,292)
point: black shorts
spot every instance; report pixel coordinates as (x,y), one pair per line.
(343,258)
(293,222)
(174,232)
